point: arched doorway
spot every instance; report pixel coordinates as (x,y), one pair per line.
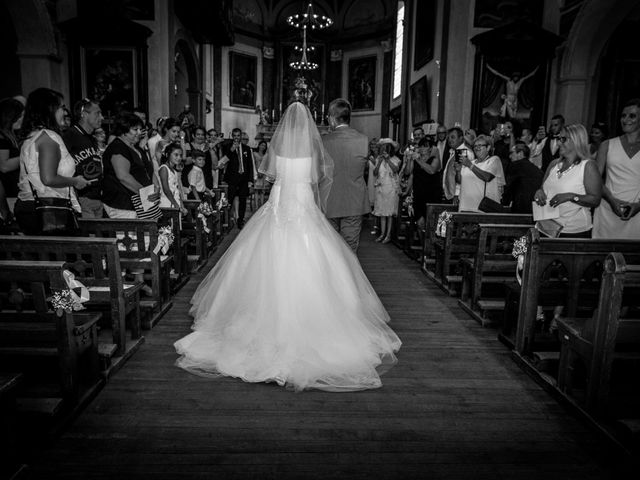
(619,72)
(187,89)
(578,76)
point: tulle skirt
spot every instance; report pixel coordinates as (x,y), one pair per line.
(289,303)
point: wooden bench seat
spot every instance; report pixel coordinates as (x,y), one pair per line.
(461,240)
(603,341)
(486,272)
(136,240)
(430,222)
(96,263)
(31,333)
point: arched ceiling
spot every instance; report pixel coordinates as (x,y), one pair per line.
(353,19)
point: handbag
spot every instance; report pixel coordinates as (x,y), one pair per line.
(56,215)
(488,205)
(549,227)
(153,213)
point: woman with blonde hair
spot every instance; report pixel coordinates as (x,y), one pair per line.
(572,184)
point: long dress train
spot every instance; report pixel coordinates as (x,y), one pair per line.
(289,302)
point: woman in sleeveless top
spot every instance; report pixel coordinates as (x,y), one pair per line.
(619,160)
(46,166)
(572,183)
(11,116)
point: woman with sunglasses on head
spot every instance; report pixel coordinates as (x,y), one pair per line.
(572,184)
(46,166)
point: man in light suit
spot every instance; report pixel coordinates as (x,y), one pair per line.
(348,200)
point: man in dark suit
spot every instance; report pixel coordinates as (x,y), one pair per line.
(523,180)
(238,161)
(549,146)
(348,200)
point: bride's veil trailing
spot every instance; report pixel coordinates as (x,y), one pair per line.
(298,137)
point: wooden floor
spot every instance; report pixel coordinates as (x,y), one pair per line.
(455,406)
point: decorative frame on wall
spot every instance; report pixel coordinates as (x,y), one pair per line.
(419,101)
(243,71)
(362,83)
(424,38)
(109,75)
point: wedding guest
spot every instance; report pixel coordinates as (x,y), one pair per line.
(456,149)
(523,180)
(480,177)
(169,173)
(619,160)
(156,137)
(214,142)
(598,134)
(125,172)
(100,137)
(170,132)
(11,116)
(84,149)
(197,183)
(198,143)
(503,141)
(258,155)
(572,183)
(374,150)
(387,187)
(426,185)
(548,145)
(46,166)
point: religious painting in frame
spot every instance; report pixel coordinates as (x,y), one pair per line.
(109,75)
(362,83)
(424,37)
(243,70)
(419,101)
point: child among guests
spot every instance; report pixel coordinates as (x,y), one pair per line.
(196,179)
(169,173)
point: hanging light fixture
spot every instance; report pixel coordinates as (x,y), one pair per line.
(304,21)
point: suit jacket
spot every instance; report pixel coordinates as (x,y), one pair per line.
(523,180)
(348,148)
(231,173)
(547,155)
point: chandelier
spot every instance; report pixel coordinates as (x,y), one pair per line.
(305,21)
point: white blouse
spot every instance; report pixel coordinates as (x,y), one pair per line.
(30,170)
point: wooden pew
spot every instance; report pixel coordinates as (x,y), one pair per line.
(560,271)
(226,220)
(597,342)
(35,339)
(430,222)
(9,383)
(461,239)
(136,241)
(179,249)
(96,263)
(486,272)
(193,226)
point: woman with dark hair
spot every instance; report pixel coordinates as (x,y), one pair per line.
(11,116)
(170,132)
(425,181)
(598,134)
(46,167)
(258,155)
(619,161)
(125,172)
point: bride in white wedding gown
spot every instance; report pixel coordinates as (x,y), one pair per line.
(288,302)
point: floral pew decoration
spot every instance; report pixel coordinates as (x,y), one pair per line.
(205,210)
(519,250)
(68,300)
(165,240)
(444,219)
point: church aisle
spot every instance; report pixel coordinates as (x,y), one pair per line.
(455,406)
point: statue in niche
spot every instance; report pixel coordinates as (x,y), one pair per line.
(512,88)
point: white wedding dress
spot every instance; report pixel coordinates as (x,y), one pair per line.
(288,302)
